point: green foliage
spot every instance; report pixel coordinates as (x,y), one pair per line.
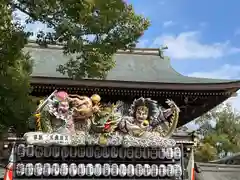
(92,30)
(205,153)
(220,139)
(15,68)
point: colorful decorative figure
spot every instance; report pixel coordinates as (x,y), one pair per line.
(61,96)
(86,120)
(143,111)
(81,106)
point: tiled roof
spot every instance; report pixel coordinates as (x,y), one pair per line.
(142,65)
(210,171)
(229,159)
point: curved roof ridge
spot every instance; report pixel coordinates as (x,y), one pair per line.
(138,66)
(142,51)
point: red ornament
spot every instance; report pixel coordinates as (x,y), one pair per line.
(107,125)
(61,95)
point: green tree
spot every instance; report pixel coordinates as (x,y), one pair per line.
(92,30)
(15,68)
(219,133)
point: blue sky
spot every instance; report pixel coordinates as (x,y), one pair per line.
(203,37)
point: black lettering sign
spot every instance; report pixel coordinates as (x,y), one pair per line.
(40,137)
(35,137)
(56,137)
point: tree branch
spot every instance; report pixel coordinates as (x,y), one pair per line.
(33,16)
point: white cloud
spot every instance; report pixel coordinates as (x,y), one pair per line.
(187,45)
(168,24)
(225,72)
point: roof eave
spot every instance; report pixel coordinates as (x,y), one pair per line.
(235,85)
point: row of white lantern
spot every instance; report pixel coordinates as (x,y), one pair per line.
(97,170)
(98,152)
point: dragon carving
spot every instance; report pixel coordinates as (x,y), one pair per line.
(82,116)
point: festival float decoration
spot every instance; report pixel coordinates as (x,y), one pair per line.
(82,133)
(75,120)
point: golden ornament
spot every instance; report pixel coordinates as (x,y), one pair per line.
(145,122)
(95,98)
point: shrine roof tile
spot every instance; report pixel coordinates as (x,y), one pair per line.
(141,65)
(209,171)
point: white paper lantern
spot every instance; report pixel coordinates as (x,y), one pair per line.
(20,169)
(38,169)
(47,169)
(130,153)
(170,170)
(89,169)
(97,171)
(162,153)
(47,152)
(72,169)
(162,170)
(114,169)
(114,152)
(39,151)
(177,170)
(30,151)
(81,152)
(122,170)
(64,152)
(130,170)
(21,151)
(81,170)
(73,152)
(29,169)
(154,153)
(64,169)
(55,151)
(105,152)
(137,153)
(146,170)
(55,169)
(89,151)
(97,152)
(146,152)
(138,170)
(177,153)
(154,170)
(122,152)
(169,153)
(106,170)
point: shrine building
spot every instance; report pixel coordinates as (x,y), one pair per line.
(122,127)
